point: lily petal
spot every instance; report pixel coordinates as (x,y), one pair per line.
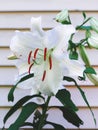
(36,26)
(73,67)
(23,42)
(58,34)
(52,80)
(65,32)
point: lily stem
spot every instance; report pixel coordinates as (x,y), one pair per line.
(44,110)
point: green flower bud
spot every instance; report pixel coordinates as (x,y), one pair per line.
(63,17)
(93,40)
(83,55)
(94,24)
(93,78)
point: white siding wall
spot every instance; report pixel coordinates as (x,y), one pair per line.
(15,15)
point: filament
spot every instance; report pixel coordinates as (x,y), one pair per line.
(44,75)
(35,53)
(29,57)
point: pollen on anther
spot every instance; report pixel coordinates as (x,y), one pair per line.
(45,54)
(29,57)
(44,75)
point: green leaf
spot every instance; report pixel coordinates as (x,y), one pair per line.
(89,70)
(27,124)
(19,105)
(10,95)
(71,116)
(56,126)
(27,110)
(69,79)
(65,98)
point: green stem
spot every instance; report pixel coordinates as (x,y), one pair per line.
(79,27)
(44,110)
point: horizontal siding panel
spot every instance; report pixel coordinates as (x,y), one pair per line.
(22,19)
(5,37)
(4,53)
(17,5)
(84,114)
(7,75)
(91,94)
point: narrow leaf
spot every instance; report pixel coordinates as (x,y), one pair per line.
(65,98)
(10,95)
(71,116)
(27,124)
(56,126)
(27,110)
(19,105)
(69,79)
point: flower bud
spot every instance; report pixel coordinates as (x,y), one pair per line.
(83,55)
(93,40)
(63,17)
(94,24)
(93,78)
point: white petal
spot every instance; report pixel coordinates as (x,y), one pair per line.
(53,79)
(23,67)
(23,42)
(58,34)
(36,26)
(73,68)
(62,46)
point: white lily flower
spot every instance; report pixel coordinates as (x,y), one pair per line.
(93,40)
(44,53)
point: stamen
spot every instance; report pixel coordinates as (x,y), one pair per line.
(45,54)
(29,57)
(50,62)
(30,67)
(44,75)
(35,53)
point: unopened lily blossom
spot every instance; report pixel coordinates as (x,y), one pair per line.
(44,53)
(93,40)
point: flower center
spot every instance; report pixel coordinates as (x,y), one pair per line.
(46,55)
